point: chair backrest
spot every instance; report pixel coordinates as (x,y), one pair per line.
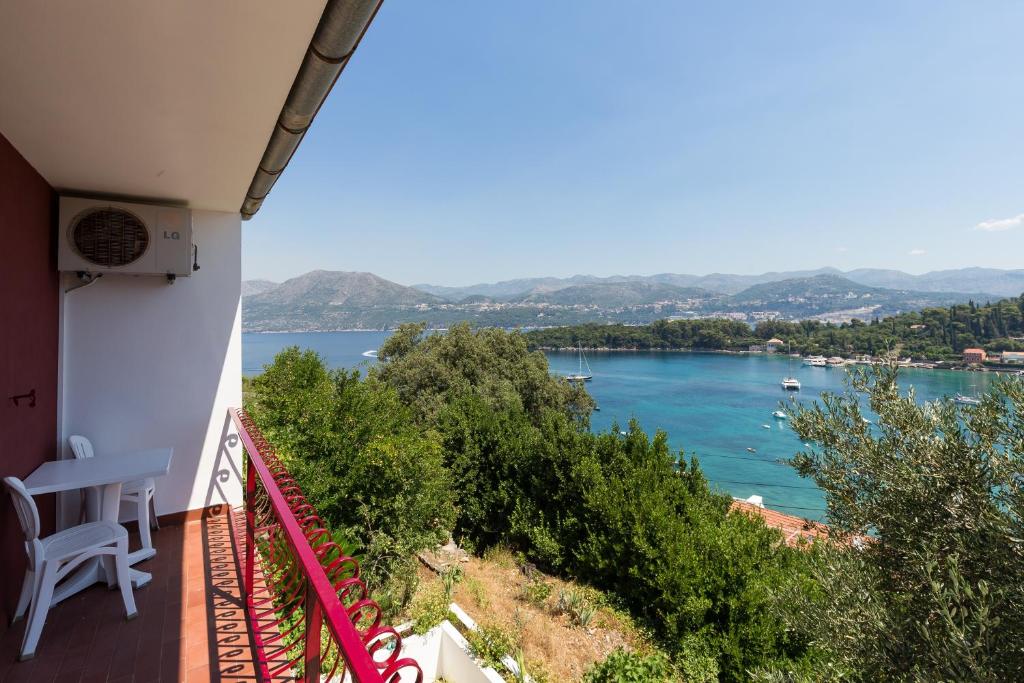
(80,446)
(28,514)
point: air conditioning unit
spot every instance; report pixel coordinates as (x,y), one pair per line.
(101,236)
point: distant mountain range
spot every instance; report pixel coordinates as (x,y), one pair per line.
(331,300)
(613,294)
(992,280)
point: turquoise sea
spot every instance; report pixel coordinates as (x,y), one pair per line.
(713,406)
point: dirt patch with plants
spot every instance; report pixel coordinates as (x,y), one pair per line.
(559,629)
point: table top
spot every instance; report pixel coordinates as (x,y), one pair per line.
(67,475)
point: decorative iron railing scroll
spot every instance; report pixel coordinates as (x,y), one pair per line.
(311,614)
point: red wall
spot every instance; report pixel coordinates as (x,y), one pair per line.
(29,296)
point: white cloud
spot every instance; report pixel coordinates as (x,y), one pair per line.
(1000,224)
(842,250)
(917,252)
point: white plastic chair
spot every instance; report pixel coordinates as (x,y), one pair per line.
(52,558)
(140,492)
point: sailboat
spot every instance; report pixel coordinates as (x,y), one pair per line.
(580,376)
(791,383)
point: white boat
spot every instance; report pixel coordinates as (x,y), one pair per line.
(835,361)
(766,426)
(580,376)
(815,361)
(791,383)
(962,400)
(779,415)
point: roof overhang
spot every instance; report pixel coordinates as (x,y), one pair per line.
(171,101)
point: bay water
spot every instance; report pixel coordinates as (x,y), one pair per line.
(712,406)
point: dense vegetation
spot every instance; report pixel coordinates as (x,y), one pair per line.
(937,592)
(622,666)
(467,433)
(378,479)
(471,422)
(933,333)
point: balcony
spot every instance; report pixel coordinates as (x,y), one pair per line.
(294,610)
(191,624)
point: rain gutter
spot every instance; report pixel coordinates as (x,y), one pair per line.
(341,28)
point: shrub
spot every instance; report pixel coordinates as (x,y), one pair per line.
(450,576)
(489,644)
(535,591)
(528,670)
(361,461)
(476,591)
(575,604)
(428,610)
(501,555)
(623,666)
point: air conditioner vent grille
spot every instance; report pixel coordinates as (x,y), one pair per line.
(109,237)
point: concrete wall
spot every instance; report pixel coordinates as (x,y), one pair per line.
(443,653)
(147,364)
(28,349)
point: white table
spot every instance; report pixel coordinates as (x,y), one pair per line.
(107,473)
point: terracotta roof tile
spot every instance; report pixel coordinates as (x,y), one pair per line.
(795,530)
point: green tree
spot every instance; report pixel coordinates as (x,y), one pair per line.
(430,370)
(623,513)
(931,586)
(358,456)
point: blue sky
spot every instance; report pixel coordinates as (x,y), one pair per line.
(475,141)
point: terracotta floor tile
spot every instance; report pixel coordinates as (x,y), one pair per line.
(191,624)
(199,674)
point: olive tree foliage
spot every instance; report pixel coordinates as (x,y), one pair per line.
(927,582)
(374,477)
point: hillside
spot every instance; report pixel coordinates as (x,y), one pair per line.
(617,295)
(807,297)
(328,300)
(331,300)
(804,288)
(734,284)
(336,288)
(254,287)
(999,282)
(514,289)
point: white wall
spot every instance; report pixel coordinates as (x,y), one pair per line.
(443,653)
(147,364)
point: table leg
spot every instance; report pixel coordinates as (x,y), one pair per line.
(111,509)
(92,571)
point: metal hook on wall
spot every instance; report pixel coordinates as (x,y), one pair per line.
(31,396)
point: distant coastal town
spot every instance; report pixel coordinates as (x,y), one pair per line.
(964,336)
(974,359)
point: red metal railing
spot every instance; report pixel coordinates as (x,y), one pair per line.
(311,615)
